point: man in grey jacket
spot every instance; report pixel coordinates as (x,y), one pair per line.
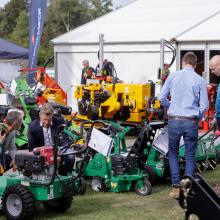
(11,123)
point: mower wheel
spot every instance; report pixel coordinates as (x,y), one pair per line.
(96,184)
(82,186)
(18,202)
(58,205)
(200,167)
(151,173)
(146,190)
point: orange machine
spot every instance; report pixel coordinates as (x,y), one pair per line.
(50,89)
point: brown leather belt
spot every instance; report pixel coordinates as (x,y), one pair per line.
(181,117)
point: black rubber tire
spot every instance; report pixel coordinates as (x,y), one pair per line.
(82,186)
(26,198)
(58,205)
(152,174)
(147,188)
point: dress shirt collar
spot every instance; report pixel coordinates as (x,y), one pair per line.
(188,68)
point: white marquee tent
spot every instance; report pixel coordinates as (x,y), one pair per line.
(132,35)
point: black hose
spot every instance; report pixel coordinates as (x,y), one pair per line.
(172,48)
(48,61)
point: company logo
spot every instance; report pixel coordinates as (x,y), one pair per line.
(114,185)
(33,39)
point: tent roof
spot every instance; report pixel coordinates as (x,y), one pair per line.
(205,31)
(10,50)
(147,21)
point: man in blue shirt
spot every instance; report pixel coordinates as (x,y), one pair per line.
(188,104)
(214,65)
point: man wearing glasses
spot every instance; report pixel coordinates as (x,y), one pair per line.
(41,132)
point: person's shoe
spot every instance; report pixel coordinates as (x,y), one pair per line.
(175,193)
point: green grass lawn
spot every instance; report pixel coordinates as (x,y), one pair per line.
(109,206)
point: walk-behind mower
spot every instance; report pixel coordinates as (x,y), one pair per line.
(151,150)
(155,156)
(41,177)
(113,168)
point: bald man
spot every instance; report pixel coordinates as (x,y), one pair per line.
(214,65)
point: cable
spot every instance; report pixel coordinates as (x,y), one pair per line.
(172,48)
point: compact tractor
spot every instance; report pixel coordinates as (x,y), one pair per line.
(42,176)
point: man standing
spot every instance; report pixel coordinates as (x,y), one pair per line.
(188,104)
(11,123)
(214,65)
(41,132)
(87,72)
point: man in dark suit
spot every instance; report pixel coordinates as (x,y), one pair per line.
(41,132)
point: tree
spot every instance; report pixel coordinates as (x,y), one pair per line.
(71,15)
(10,15)
(20,32)
(99,7)
(62,16)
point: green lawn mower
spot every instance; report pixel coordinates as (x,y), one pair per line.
(154,151)
(112,167)
(41,177)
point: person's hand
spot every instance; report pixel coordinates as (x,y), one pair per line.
(13,165)
(213,124)
(2,137)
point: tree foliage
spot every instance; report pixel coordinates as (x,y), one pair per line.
(62,16)
(20,32)
(10,14)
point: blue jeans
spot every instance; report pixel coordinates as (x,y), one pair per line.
(188,128)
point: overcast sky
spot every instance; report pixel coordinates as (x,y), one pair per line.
(2,2)
(116,3)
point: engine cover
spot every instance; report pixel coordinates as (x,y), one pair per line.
(29,162)
(47,153)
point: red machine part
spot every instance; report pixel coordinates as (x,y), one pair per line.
(212,92)
(47,152)
(2,86)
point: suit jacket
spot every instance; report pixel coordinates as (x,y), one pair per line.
(36,135)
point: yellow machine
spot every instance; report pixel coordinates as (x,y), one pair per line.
(127,102)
